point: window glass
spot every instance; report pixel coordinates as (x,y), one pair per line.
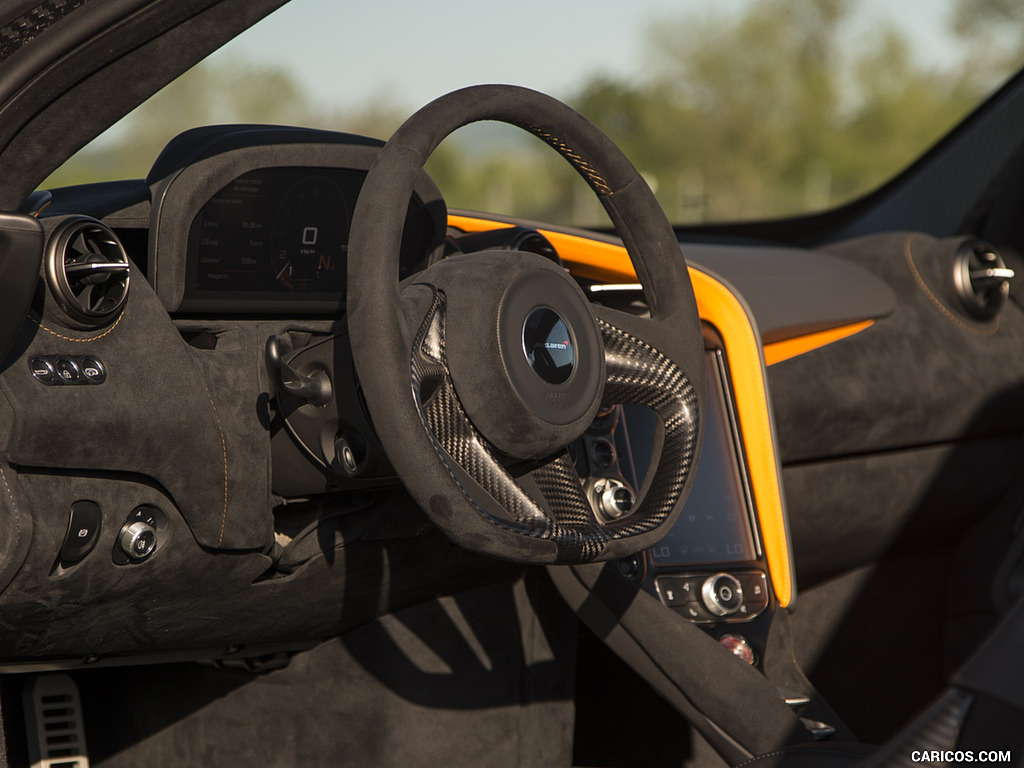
(736,110)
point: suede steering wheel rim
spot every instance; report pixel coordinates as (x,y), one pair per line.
(479,371)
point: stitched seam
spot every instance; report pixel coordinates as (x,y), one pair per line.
(71,338)
(782,752)
(937,302)
(574,157)
(14,505)
(224,451)
(10,493)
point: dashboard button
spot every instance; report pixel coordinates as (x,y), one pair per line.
(695,612)
(83,531)
(755,591)
(677,591)
(93,370)
(68,370)
(42,370)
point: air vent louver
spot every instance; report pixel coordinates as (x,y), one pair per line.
(981,278)
(87,270)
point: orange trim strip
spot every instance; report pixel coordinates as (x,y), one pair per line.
(778,351)
(719,307)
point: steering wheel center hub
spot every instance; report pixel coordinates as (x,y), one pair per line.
(548,346)
(523,351)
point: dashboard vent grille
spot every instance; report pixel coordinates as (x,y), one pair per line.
(87,270)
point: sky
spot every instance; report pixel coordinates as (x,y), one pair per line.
(340,51)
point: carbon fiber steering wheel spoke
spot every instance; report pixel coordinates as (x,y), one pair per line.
(460,446)
(638,373)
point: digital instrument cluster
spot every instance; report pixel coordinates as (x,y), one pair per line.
(276,229)
(262,214)
(283,232)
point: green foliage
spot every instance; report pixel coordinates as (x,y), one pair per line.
(765,114)
(768,115)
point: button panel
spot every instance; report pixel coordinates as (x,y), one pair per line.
(685,594)
(67,370)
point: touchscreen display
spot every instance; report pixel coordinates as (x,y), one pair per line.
(714,526)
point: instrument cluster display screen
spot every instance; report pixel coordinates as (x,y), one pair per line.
(715,524)
(280,233)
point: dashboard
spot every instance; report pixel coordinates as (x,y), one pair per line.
(236,243)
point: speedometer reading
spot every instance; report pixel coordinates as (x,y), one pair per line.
(309,238)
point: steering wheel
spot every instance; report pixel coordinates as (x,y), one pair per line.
(479,371)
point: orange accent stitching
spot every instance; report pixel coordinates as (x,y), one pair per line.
(574,157)
(224,450)
(71,338)
(938,302)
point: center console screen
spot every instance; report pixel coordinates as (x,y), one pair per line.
(715,524)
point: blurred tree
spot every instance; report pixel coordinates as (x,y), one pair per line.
(993,33)
(767,114)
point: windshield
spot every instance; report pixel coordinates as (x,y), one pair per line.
(748,110)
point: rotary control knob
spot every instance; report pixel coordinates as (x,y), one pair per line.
(722,594)
(137,540)
(611,498)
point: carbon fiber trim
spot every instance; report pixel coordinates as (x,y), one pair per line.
(637,373)
(454,436)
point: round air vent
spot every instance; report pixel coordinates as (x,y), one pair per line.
(981,278)
(87,270)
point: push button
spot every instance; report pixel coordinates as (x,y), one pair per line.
(42,370)
(695,612)
(679,590)
(68,370)
(755,591)
(729,597)
(83,531)
(93,370)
